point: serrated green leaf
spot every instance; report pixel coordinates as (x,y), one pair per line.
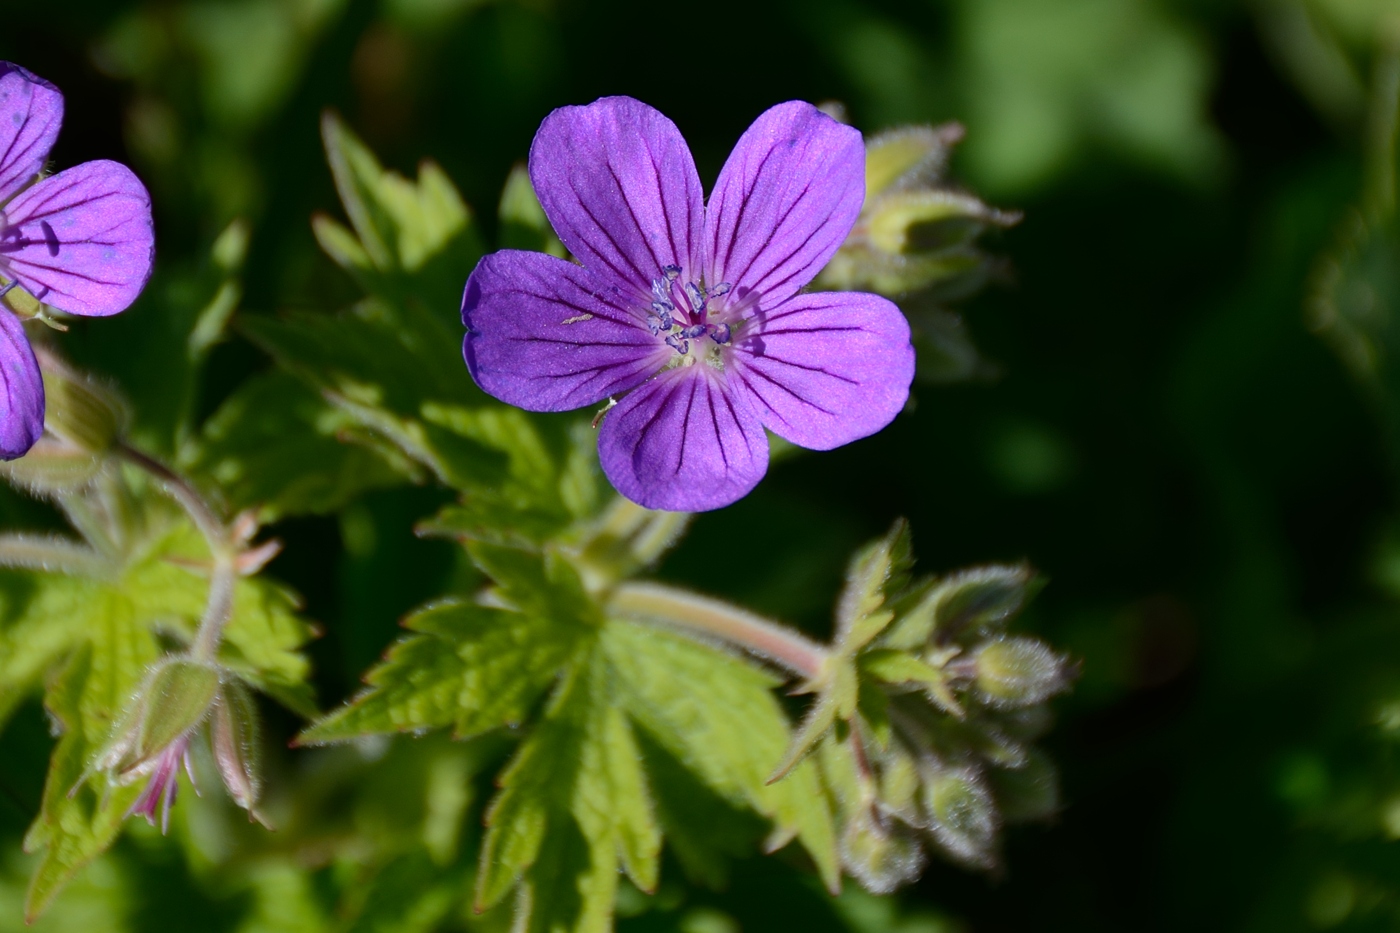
(470,667)
(86,699)
(573,803)
(277,445)
(716,714)
(415,239)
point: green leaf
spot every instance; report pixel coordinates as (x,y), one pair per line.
(471,668)
(77,823)
(277,445)
(573,804)
(399,223)
(717,715)
(544,584)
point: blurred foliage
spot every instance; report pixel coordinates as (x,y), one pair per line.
(1209,486)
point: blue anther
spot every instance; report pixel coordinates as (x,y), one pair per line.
(697,297)
(721,289)
(662,291)
(696,330)
(676,343)
(671,272)
(663,309)
(719,333)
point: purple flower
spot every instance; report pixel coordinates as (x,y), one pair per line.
(692,309)
(81,241)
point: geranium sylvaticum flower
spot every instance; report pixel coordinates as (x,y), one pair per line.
(692,309)
(80,241)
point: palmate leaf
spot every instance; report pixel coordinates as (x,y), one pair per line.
(576,804)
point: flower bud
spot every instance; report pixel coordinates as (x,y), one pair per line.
(880,857)
(907,155)
(1012,672)
(961,814)
(175,698)
(234,735)
(52,466)
(79,410)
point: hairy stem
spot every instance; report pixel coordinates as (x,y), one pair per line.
(224,552)
(700,615)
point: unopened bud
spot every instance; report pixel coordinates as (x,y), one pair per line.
(979,599)
(878,856)
(924,221)
(1019,671)
(906,155)
(175,698)
(961,814)
(234,735)
(78,410)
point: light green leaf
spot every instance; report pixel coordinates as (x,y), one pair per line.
(75,826)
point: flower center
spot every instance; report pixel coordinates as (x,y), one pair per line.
(695,325)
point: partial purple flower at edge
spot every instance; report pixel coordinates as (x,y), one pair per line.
(691,309)
(81,241)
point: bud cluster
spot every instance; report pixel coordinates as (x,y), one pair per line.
(938,754)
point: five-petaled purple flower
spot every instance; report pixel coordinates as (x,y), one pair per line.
(81,241)
(693,309)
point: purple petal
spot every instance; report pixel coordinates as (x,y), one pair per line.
(826,368)
(81,240)
(786,198)
(548,335)
(31,112)
(683,442)
(22,401)
(617,182)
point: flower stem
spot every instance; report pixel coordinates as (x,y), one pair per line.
(222,549)
(700,615)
